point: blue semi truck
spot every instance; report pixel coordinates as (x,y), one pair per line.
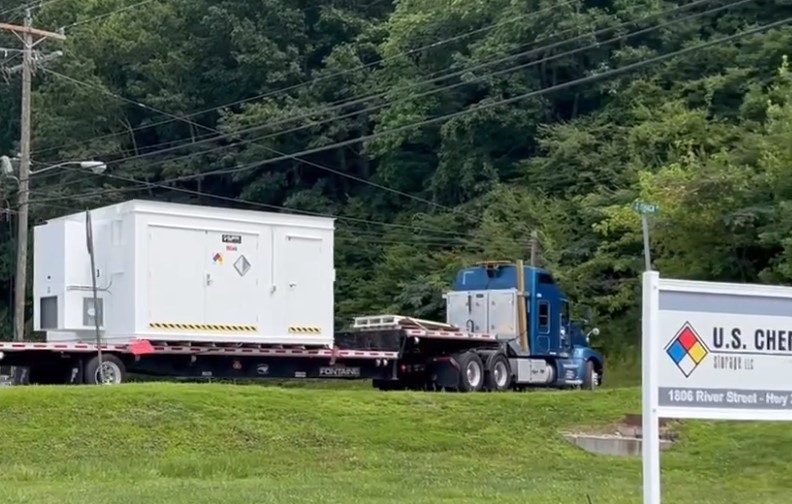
(516,331)
(508,327)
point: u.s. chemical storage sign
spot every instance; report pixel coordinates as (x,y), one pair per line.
(722,350)
(713,351)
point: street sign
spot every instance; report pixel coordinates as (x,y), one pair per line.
(645,208)
(714,351)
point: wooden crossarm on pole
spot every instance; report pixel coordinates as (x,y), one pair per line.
(32,31)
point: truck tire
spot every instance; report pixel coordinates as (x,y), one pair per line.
(590,378)
(112,367)
(471,372)
(498,373)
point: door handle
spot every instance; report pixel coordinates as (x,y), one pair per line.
(208,279)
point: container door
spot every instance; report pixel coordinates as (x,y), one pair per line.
(301,281)
(176,283)
(231,280)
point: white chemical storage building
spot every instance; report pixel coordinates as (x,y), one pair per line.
(176,272)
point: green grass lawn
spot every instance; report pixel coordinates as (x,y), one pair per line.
(205,443)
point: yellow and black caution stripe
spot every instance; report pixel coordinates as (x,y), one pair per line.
(305,330)
(229,328)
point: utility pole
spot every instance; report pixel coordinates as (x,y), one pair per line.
(20,282)
(25,34)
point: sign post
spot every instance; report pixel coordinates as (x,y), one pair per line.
(715,351)
(646,209)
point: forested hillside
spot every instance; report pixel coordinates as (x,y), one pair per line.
(439,132)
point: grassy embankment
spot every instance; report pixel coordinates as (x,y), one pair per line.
(207,443)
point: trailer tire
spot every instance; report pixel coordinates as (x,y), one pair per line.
(113,368)
(498,373)
(471,372)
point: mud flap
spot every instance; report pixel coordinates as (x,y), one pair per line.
(445,373)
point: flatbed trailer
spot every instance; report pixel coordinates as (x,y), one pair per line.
(384,349)
(394,352)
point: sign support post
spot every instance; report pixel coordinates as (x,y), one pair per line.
(650,438)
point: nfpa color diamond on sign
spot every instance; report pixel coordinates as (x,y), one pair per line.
(687,349)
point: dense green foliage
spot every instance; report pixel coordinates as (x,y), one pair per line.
(198,444)
(705,134)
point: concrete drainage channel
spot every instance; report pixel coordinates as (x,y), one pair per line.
(625,440)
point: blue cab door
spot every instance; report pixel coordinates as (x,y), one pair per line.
(549,311)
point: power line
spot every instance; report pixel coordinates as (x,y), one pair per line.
(311,163)
(108,14)
(565,85)
(145,184)
(560,55)
(329,76)
(368,237)
(560,86)
(485,106)
(361,99)
(31,6)
(139,4)
(425,93)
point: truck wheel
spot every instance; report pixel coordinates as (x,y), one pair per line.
(498,377)
(471,372)
(590,380)
(112,367)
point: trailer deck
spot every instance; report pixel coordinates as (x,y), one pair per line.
(367,328)
(382,348)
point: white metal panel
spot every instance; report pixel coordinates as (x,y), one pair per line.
(303,281)
(468,310)
(62,269)
(216,217)
(48,269)
(232,286)
(76,274)
(503,314)
(176,275)
(119,246)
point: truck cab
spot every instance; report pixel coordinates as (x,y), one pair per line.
(525,309)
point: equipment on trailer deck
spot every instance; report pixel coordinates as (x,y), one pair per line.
(168,308)
(171,272)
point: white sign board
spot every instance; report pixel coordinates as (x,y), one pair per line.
(712,351)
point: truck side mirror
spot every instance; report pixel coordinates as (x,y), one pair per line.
(594,332)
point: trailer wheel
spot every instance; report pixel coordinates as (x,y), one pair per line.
(471,372)
(112,367)
(498,377)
